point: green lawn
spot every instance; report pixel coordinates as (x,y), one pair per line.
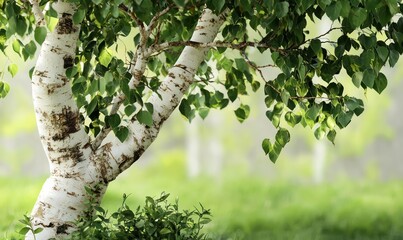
(246,207)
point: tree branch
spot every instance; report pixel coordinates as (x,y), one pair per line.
(38,14)
(239,46)
(140,60)
(165,100)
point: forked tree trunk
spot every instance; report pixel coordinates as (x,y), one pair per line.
(74,160)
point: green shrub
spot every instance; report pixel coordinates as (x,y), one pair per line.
(158,219)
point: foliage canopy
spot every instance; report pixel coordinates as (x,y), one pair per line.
(365,35)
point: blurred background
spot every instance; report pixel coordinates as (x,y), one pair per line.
(316,190)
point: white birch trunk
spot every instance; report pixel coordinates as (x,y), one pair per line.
(72,161)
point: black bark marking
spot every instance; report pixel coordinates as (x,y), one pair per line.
(62,229)
(73,153)
(64,123)
(68,61)
(72,194)
(41,73)
(103,167)
(128,161)
(65,24)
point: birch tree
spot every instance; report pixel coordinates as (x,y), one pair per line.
(100,103)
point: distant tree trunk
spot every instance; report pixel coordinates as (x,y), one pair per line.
(74,160)
(192,149)
(319,156)
(215,151)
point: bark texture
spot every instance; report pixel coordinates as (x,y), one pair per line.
(72,161)
(66,144)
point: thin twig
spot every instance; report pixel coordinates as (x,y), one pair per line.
(322,35)
(157,16)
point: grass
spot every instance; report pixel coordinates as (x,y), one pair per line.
(246,207)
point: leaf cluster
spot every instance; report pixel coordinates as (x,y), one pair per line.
(158,219)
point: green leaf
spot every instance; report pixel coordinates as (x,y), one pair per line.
(313,112)
(353,103)
(383,53)
(21,27)
(292,119)
(113,120)
(149,107)
(51,12)
(38,230)
(105,57)
(333,10)
(320,133)
(79,15)
(145,117)
(281,9)
(24,230)
(12,69)
(274,152)
(324,3)
(344,118)
(330,122)
(357,17)
(203,112)
(369,78)
(372,4)
(242,112)
(91,107)
(285,96)
(232,94)
(316,45)
(129,110)
(357,78)
(241,65)
(40,34)
(4,89)
(282,137)
(165,231)
(30,48)
(186,109)
(71,72)
(278,108)
(218,5)
(331,135)
(16,46)
(179,3)
(266,145)
(393,57)
(380,83)
(255,85)
(345,9)
(121,133)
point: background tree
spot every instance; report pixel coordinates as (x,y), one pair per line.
(100,103)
